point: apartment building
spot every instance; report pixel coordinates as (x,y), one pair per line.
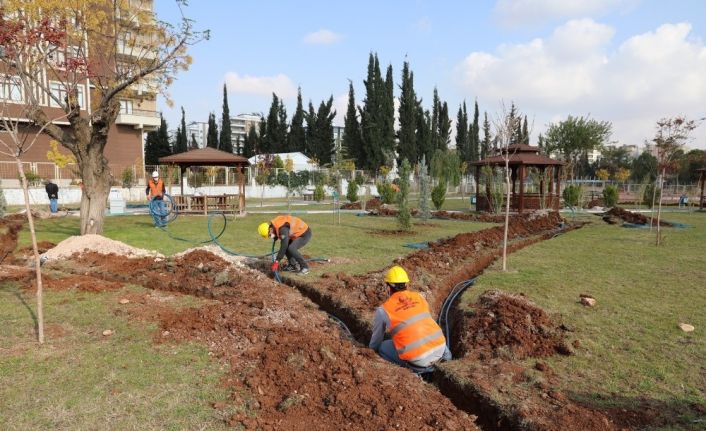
(197,131)
(240,126)
(138,110)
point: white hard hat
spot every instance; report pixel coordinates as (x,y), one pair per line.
(155,174)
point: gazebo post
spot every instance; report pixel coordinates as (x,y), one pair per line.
(181,179)
(541,185)
(477,188)
(558,186)
(241,191)
(550,189)
(522,188)
(702,180)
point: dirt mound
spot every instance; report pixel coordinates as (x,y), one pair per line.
(373,203)
(627,216)
(479,217)
(9,226)
(96,243)
(509,327)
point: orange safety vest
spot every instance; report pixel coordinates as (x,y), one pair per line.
(412,328)
(297,227)
(155,189)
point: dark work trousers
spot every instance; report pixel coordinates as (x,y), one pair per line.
(292,252)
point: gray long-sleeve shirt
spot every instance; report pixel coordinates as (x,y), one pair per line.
(380,324)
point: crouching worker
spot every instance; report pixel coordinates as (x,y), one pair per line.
(293,234)
(417,342)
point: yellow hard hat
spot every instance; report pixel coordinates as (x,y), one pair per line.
(264,230)
(396,274)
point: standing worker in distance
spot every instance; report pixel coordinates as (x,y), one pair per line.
(417,342)
(53,194)
(293,234)
(155,195)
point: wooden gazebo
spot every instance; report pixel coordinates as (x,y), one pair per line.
(521,158)
(702,180)
(208,157)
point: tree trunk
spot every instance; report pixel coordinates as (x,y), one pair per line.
(96,180)
(659,209)
(35,250)
(507,211)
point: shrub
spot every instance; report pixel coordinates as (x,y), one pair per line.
(352,193)
(32,179)
(571,195)
(319,193)
(387,192)
(610,196)
(128,177)
(438,195)
(647,195)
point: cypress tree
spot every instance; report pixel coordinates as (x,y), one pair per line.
(261,144)
(407,136)
(352,141)
(250,143)
(320,142)
(275,137)
(474,138)
(388,116)
(444,127)
(462,133)
(181,144)
(225,142)
(212,134)
(370,118)
(436,107)
(485,145)
(525,133)
(296,140)
(157,143)
(424,132)
(282,137)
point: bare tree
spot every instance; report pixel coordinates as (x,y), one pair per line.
(79,58)
(506,126)
(672,134)
(16,138)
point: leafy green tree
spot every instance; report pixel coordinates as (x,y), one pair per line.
(446,167)
(610,195)
(403,215)
(319,137)
(424,190)
(157,144)
(407,136)
(181,144)
(212,134)
(225,141)
(575,137)
(463,146)
(474,137)
(296,140)
(689,163)
(352,140)
(352,192)
(614,158)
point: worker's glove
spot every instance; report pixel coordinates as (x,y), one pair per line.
(275,266)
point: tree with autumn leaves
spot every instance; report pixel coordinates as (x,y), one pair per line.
(112,49)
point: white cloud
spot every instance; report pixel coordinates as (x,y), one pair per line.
(424,24)
(575,72)
(528,12)
(340,104)
(322,37)
(261,85)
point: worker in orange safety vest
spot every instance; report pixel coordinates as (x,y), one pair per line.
(155,194)
(293,234)
(416,340)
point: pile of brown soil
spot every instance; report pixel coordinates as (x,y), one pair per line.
(479,217)
(372,204)
(627,216)
(9,226)
(507,326)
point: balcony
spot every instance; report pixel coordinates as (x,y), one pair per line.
(147,120)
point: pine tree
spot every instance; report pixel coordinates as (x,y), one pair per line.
(352,141)
(212,134)
(407,136)
(275,138)
(320,144)
(462,133)
(525,133)
(474,138)
(225,141)
(181,144)
(485,145)
(157,144)
(296,140)
(370,118)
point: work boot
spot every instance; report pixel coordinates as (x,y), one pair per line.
(304,271)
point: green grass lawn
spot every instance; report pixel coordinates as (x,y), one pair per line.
(81,380)
(631,346)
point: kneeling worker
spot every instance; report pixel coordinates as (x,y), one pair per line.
(417,341)
(293,234)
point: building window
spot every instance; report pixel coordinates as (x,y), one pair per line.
(11,89)
(58,92)
(62,54)
(126,107)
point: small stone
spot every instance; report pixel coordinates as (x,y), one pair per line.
(686,327)
(165,333)
(588,301)
(107,333)
(124,301)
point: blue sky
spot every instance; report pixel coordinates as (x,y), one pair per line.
(630,62)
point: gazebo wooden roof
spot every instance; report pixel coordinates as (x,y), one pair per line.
(209,157)
(522,156)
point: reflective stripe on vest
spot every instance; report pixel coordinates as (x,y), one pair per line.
(297,227)
(413,331)
(156,189)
